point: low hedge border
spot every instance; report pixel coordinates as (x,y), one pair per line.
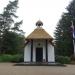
(11,58)
(63,59)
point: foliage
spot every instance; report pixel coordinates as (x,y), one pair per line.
(8,15)
(13,43)
(63,36)
(10,39)
(71,9)
(63,59)
(63,32)
(11,58)
(17,26)
(17,58)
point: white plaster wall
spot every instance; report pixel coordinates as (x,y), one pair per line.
(34,56)
(27,53)
(51,54)
(44,50)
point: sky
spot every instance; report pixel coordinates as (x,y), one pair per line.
(30,11)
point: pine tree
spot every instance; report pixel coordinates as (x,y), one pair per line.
(71,9)
(7,23)
(63,36)
(63,32)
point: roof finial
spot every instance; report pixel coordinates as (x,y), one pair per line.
(39,23)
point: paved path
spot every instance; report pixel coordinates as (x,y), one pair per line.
(9,69)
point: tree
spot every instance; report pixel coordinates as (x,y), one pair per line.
(63,32)
(7,23)
(71,9)
(9,14)
(63,36)
(13,43)
(17,26)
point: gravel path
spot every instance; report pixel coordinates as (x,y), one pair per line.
(9,69)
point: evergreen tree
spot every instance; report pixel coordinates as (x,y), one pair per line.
(63,32)
(71,9)
(7,24)
(63,36)
(9,14)
(13,43)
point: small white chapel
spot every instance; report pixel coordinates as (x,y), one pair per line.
(39,46)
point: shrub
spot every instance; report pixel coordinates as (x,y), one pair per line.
(63,59)
(17,58)
(5,58)
(11,58)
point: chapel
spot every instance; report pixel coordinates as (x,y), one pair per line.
(39,46)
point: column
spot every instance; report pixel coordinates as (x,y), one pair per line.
(46,51)
(31,50)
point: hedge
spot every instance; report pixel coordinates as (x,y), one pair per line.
(63,59)
(11,58)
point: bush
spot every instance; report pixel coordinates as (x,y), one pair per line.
(11,58)
(5,58)
(17,58)
(63,59)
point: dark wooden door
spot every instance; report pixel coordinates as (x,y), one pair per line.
(39,54)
